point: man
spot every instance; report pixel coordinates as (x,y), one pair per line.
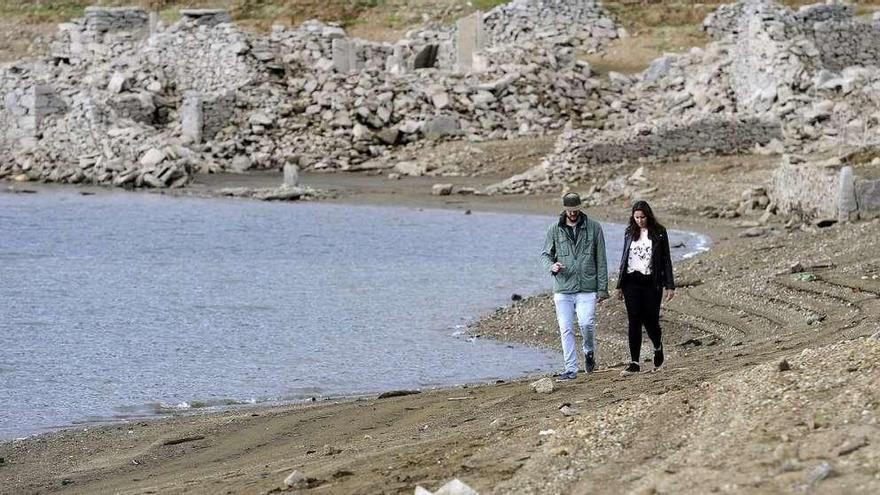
(574,254)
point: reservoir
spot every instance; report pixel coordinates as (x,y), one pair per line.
(121,305)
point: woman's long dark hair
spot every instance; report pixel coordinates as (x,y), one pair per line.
(654,227)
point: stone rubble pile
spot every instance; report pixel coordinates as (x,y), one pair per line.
(105,108)
(125,100)
(634,185)
(582,23)
(333,121)
(754,204)
(813,71)
(315,46)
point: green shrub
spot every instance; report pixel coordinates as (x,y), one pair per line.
(488,4)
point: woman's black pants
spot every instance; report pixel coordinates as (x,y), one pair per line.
(642,299)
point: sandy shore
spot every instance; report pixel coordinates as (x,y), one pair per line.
(724,415)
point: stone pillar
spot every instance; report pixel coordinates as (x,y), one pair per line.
(103,20)
(396,63)
(154,22)
(40,101)
(192,121)
(847,207)
(469,40)
(344,56)
(291,175)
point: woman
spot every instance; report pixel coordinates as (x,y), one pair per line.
(645,270)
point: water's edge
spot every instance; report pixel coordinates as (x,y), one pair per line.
(160,410)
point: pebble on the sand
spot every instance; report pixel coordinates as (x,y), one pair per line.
(296,480)
(441,189)
(454,487)
(543,386)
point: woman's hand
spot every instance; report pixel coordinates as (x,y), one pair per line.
(670,293)
(618,294)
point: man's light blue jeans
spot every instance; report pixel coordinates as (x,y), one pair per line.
(582,305)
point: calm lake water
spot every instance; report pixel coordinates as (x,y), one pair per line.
(125,305)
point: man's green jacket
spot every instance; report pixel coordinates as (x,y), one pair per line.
(586,269)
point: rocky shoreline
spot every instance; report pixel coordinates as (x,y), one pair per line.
(740,312)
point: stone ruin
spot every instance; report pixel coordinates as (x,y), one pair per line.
(579,155)
(834,189)
(125,100)
(809,77)
(584,23)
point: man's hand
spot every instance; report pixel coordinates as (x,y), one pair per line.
(557,267)
(601,299)
(670,294)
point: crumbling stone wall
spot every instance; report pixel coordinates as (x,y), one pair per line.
(205,17)
(103,20)
(217,112)
(315,45)
(770,59)
(867,193)
(202,58)
(581,153)
(310,95)
(768,64)
(808,188)
(767,60)
(352,118)
(582,23)
(724,22)
(843,43)
(774,47)
(103,32)
(824,12)
(26,105)
(830,189)
(14,113)
(443,38)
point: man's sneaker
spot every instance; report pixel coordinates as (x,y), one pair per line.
(589,362)
(630,369)
(568,375)
(658,357)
